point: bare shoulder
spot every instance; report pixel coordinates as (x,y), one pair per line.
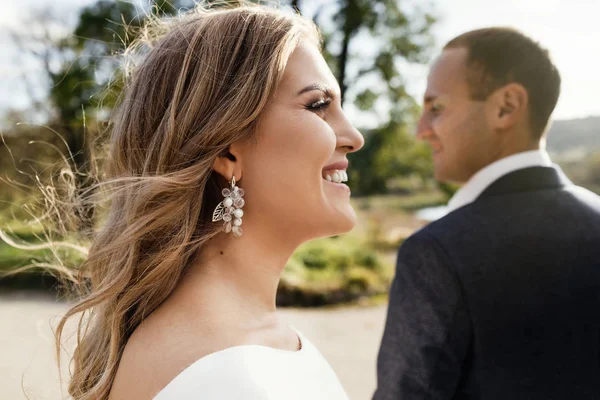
(161,348)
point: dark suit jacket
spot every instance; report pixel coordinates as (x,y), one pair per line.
(499,299)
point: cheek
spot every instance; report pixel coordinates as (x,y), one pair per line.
(464,141)
(447,123)
(453,130)
(302,148)
(454,140)
(286,163)
(444,124)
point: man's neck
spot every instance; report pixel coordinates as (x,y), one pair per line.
(507,151)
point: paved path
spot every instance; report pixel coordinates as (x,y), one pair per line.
(348,337)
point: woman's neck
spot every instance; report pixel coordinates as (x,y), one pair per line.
(239,274)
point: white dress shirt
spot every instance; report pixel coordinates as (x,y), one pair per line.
(489,174)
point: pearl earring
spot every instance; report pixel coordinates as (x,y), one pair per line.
(230,209)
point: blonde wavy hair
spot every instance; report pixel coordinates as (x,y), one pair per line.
(200,82)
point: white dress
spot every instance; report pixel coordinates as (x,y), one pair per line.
(254,372)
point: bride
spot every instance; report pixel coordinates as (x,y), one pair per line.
(228,151)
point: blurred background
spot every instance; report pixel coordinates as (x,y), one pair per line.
(61,74)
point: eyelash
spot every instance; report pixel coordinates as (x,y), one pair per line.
(319,105)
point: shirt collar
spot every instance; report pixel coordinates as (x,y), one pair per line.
(487,175)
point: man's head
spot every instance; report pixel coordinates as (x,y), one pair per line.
(490,94)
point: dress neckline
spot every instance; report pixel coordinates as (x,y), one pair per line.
(301,343)
(293,353)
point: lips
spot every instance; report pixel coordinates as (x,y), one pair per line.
(435,148)
(435,145)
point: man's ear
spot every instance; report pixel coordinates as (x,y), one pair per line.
(229,163)
(508,106)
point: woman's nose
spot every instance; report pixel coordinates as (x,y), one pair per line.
(348,136)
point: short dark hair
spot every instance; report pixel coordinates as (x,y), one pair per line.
(499,56)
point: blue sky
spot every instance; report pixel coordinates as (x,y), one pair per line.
(568,28)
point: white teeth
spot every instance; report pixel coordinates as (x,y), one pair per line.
(337,176)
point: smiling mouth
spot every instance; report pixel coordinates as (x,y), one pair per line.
(435,149)
(335,176)
(435,146)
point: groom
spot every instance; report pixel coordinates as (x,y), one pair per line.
(500,299)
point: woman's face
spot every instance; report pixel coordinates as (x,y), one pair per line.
(303,137)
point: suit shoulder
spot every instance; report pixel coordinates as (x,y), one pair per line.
(586,196)
(438,229)
(424,245)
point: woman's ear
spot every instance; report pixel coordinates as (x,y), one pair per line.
(229,163)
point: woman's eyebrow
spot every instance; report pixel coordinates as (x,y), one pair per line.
(317,86)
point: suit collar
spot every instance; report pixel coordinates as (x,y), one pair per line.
(490,173)
(528,179)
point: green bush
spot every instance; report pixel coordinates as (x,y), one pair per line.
(360,280)
(315,258)
(367,258)
(333,270)
(20,267)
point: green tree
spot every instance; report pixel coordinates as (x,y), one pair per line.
(395,36)
(80,68)
(389,152)
(77,85)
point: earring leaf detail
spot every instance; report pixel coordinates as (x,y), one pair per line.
(218,213)
(230,209)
